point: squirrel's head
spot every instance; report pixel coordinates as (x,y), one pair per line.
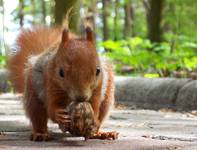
(77,66)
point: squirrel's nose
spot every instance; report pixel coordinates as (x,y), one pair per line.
(81,98)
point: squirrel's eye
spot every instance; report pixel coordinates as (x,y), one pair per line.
(98,71)
(61,73)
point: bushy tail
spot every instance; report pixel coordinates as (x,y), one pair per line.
(29,42)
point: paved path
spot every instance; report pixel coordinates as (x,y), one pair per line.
(139,129)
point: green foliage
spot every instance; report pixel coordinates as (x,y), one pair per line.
(150,59)
(177,52)
(3,61)
(149,75)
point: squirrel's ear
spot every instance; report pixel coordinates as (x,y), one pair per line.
(65,35)
(89,34)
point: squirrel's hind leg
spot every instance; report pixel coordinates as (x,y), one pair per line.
(36,111)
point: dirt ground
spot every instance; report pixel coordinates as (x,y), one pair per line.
(139,129)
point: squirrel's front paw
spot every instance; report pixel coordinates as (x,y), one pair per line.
(40,137)
(62,117)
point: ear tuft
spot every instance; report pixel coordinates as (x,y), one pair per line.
(65,35)
(89,34)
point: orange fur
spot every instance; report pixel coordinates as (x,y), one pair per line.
(64,70)
(30,42)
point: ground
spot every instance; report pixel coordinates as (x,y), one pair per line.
(139,129)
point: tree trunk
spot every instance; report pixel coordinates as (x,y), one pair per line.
(128,20)
(105,22)
(63,7)
(43,11)
(154,17)
(33,11)
(90,18)
(21,13)
(115,21)
(2,34)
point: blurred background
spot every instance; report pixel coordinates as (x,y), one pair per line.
(150,38)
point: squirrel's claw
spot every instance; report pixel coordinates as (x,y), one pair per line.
(62,117)
(40,137)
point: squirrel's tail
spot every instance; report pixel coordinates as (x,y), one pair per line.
(29,42)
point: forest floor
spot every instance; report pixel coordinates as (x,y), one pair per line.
(139,129)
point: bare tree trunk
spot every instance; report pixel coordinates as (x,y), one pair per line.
(128,20)
(115,20)
(2,38)
(154,17)
(33,11)
(43,11)
(62,7)
(21,13)
(90,18)
(105,23)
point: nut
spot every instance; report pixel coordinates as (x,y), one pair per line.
(82,120)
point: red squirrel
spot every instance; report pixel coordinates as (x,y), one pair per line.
(53,67)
